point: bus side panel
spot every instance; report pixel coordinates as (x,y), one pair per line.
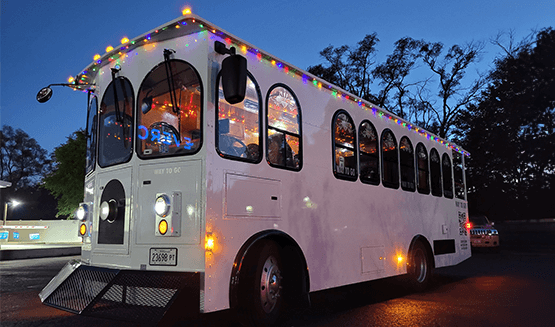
(348,231)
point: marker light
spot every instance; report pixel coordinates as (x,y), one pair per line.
(468,225)
(163,226)
(109,48)
(400,258)
(124,40)
(162,205)
(96,57)
(82,229)
(209,242)
(186,11)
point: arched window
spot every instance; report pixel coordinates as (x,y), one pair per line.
(390,160)
(423,176)
(435,172)
(116,123)
(447,176)
(169,111)
(344,140)
(369,159)
(458,171)
(406,156)
(238,130)
(284,133)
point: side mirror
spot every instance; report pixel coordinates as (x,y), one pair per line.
(234,78)
(44,94)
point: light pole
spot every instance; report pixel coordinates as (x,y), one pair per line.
(14,204)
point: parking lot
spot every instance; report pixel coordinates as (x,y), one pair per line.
(511,287)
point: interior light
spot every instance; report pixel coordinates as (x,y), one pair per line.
(163,226)
(400,258)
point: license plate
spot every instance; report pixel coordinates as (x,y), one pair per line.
(163,257)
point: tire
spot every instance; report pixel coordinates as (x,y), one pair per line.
(420,267)
(260,287)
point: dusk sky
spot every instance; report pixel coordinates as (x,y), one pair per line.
(45,42)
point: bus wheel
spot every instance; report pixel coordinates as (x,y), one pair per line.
(261,297)
(420,267)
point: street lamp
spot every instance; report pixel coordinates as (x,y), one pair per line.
(14,204)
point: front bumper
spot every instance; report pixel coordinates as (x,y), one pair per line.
(130,295)
(483,241)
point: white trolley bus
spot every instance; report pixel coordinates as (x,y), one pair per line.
(219,176)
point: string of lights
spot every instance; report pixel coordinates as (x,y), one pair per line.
(189,23)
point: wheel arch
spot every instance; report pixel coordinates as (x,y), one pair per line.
(292,256)
(424,241)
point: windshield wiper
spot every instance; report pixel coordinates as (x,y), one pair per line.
(169,75)
(119,117)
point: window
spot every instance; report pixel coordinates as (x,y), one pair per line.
(284,134)
(92,119)
(116,123)
(368,153)
(390,160)
(423,176)
(238,130)
(447,176)
(344,140)
(458,171)
(169,111)
(435,172)
(406,155)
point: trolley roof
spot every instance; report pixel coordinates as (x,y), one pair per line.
(190,23)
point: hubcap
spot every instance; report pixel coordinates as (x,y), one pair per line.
(270,284)
(420,266)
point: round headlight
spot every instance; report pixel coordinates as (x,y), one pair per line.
(82,212)
(108,210)
(162,205)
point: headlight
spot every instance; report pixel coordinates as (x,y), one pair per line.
(162,205)
(108,210)
(82,212)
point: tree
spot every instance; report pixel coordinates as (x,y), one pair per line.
(511,134)
(67,178)
(387,84)
(453,95)
(350,68)
(22,159)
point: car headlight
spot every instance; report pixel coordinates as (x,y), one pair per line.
(162,205)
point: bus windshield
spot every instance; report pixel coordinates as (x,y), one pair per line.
(169,111)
